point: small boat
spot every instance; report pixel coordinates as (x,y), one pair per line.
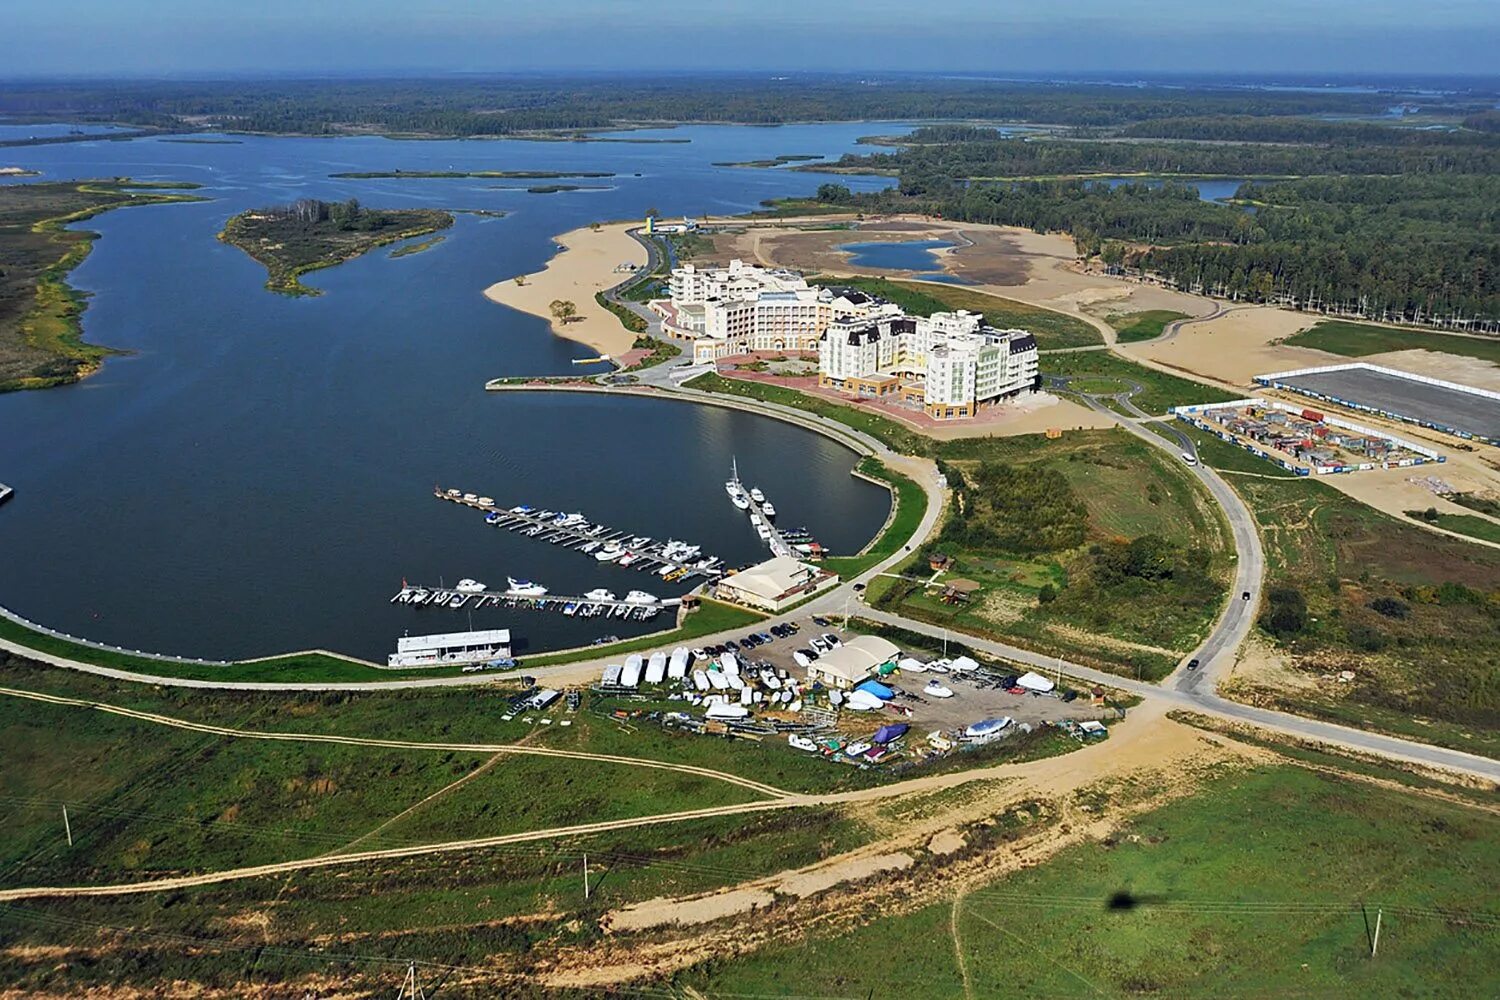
(677,666)
(455,493)
(717,680)
(723,710)
(700,680)
(600,594)
(612,675)
(769,678)
(729,663)
(856,748)
(492,517)
(470,497)
(757,495)
(795,706)
(640,597)
(800,742)
(735,681)
(523,588)
(656,668)
(748,696)
(936,690)
(627,559)
(458,600)
(835,697)
(467,586)
(487,501)
(588,546)
(609,553)
(763,531)
(631,675)
(987,728)
(862,701)
(571,608)
(768,509)
(911,666)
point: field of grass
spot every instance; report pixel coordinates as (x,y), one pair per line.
(41,334)
(1160,391)
(1112,488)
(1052,330)
(1200,898)
(628,319)
(1358,340)
(1137,326)
(1216,453)
(1414,615)
(416,248)
(1464,524)
(497,908)
(894,435)
(911,506)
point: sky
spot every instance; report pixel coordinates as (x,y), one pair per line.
(235,37)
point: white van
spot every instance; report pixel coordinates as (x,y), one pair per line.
(1189,459)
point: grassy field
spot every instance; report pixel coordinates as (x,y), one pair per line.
(1216,453)
(416,248)
(1357,340)
(146,799)
(1464,524)
(1137,326)
(1052,330)
(1160,391)
(894,435)
(1102,489)
(1200,898)
(41,334)
(911,506)
(1412,614)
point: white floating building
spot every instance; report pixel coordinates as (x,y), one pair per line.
(448,648)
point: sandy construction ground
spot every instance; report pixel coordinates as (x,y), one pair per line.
(585,266)
(1236,346)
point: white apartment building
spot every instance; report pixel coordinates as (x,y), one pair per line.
(741,308)
(950,363)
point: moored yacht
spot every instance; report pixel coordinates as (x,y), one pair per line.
(640,597)
(757,495)
(467,586)
(609,553)
(523,588)
(600,594)
(768,509)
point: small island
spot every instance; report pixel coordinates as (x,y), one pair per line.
(525,175)
(291,240)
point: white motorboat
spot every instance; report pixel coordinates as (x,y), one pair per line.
(640,597)
(747,696)
(800,742)
(700,680)
(523,588)
(763,531)
(936,690)
(769,678)
(911,666)
(471,497)
(600,594)
(733,487)
(768,509)
(487,501)
(856,748)
(987,728)
(862,701)
(656,668)
(627,559)
(757,495)
(677,666)
(729,663)
(726,711)
(467,586)
(718,681)
(609,553)
(631,675)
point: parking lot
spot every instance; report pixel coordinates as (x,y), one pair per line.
(975,696)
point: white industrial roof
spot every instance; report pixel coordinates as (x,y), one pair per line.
(445,640)
(772,578)
(855,659)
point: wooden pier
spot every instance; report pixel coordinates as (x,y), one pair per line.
(573,531)
(581,607)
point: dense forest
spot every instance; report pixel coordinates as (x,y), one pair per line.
(1400,224)
(500,105)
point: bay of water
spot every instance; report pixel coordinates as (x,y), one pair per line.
(256,474)
(906,255)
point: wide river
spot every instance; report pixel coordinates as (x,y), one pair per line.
(256,475)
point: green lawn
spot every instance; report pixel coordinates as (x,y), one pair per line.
(1357,340)
(1464,524)
(1137,326)
(895,436)
(1161,391)
(911,506)
(1210,900)
(1052,329)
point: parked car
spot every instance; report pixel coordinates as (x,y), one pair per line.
(832,640)
(820,621)
(1193,663)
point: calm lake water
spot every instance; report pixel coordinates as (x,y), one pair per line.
(907,255)
(255,475)
(1209,188)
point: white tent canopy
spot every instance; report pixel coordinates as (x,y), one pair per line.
(1034,682)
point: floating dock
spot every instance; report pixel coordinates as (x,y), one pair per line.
(580,607)
(671,561)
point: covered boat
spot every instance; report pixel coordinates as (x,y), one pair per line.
(726,711)
(890,733)
(862,701)
(874,687)
(1034,682)
(677,666)
(963,664)
(631,675)
(700,680)
(989,727)
(656,668)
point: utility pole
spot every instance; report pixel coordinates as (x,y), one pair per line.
(410,988)
(585,876)
(68,827)
(1375,941)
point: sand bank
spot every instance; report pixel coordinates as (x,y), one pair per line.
(585,266)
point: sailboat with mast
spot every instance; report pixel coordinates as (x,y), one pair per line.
(735,488)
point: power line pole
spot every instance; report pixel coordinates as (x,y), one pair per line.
(67,826)
(585,876)
(1375,941)
(410,988)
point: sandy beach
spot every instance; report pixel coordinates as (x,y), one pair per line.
(585,266)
